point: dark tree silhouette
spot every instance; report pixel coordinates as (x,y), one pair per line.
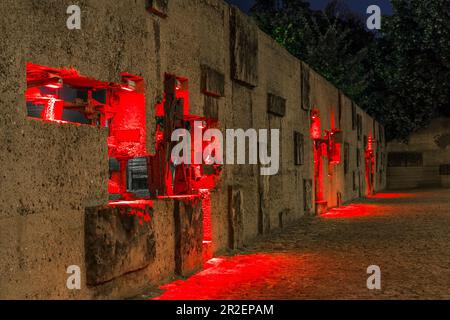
(400,74)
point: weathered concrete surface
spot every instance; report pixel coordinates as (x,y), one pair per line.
(51,173)
(405,234)
(118,240)
(161,269)
(276,105)
(213,82)
(188,218)
(244,48)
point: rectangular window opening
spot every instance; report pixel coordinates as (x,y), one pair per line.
(298,148)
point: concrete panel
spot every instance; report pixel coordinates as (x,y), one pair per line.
(117,241)
(276,105)
(244,48)
(213,82)
(188,237)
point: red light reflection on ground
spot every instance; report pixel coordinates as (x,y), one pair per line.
(392,195)
(353,211)
(230,277)
(376,207)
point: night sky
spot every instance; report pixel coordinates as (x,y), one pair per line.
(359,6)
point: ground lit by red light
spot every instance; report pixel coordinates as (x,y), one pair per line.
(353,211)
(373,208)
(224,277)
(392,195)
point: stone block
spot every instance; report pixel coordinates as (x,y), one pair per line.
(188,237)
(211,107)
(118,240)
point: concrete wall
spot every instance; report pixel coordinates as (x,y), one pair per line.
(329,100)
(51,173)
(433,143)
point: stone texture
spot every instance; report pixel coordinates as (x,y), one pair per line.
(117,241)
(188,237)
(244,48)
(299,147)
(235,211)
(211,107)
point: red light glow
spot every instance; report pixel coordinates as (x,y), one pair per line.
(223,277)
(392,195)
(353,211)
(127,88)
(316,131)
(370,166)
(180,197)
(206,207)
(54,86)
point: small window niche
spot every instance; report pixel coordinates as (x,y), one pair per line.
(405,159)
(62,95)
(346,157)
(358,157)
(359,127)
(299,148)
(444,170)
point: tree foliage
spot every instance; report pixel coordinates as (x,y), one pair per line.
(400,75)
